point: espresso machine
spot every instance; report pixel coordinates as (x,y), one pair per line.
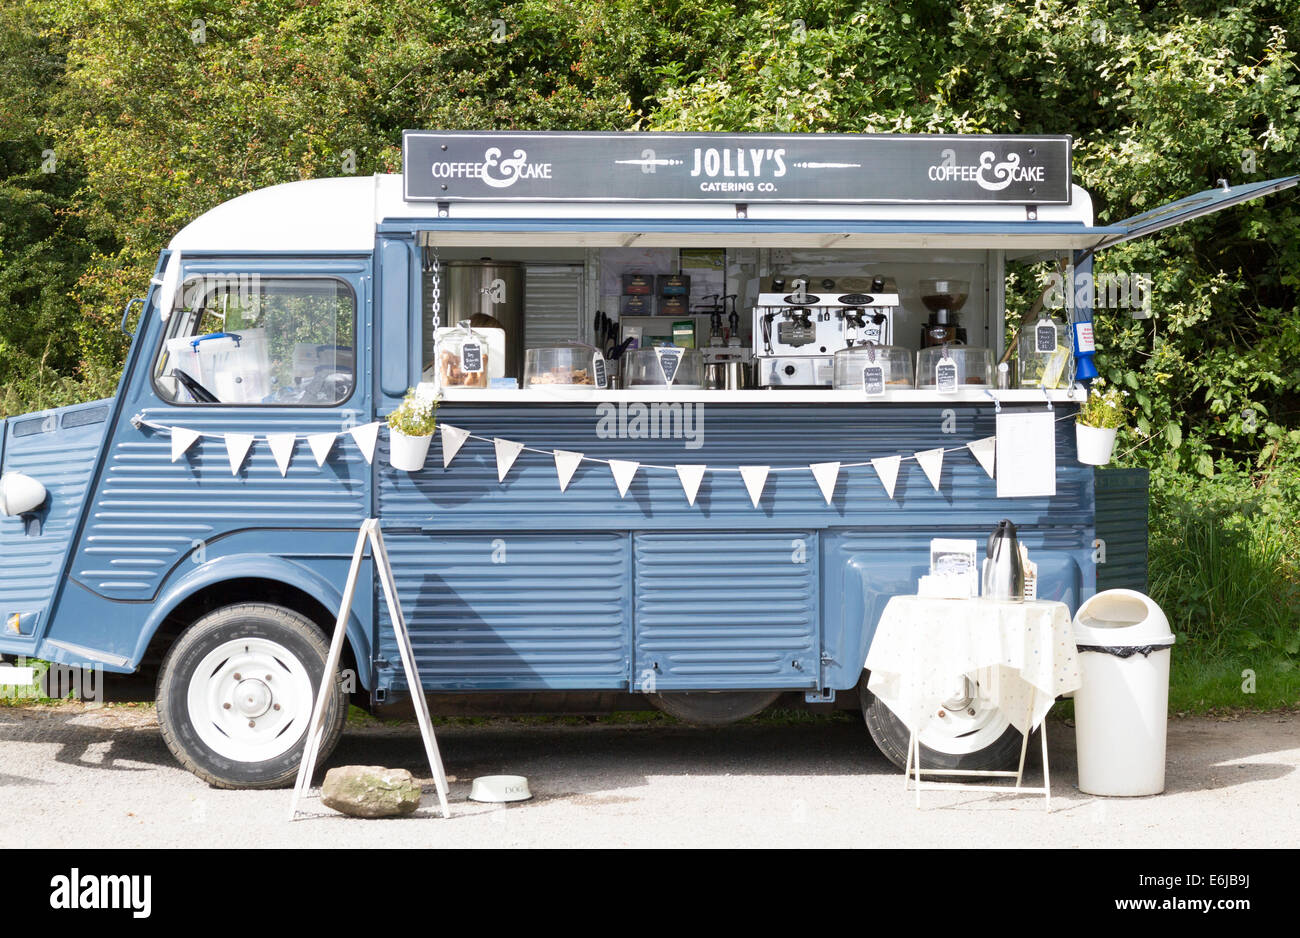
(797,333)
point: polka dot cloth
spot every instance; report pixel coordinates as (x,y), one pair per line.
(1021,656)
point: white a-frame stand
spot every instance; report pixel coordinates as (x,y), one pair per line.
(316,729)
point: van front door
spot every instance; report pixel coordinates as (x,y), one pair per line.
(212,455)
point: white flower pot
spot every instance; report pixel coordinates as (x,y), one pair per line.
(407,452)
(1095,444)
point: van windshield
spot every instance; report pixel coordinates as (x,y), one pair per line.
(255,340)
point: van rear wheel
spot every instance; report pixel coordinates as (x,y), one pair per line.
(235,695)
(713,708)
(972,735)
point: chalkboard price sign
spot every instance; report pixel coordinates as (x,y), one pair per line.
(945,376)
(873,380)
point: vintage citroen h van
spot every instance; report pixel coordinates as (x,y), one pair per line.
(189,532)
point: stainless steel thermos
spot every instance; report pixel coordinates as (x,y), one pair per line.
(1004,575)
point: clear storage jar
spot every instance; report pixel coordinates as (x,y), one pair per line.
(1043,354)
(463,358)
(895,361)
(566,366)
(974,366)
(653,367)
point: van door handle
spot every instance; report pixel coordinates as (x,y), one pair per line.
(126,313)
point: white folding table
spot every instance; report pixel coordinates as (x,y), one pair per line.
(1019,656)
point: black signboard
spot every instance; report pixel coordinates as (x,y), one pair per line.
(643,167)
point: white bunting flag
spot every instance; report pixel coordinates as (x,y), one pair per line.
(931,461)
(321,444)
(826,473)
(755,478)
(507,452)
(691,477)
(984,451)
(281,449)
(365,436)
(182,439)
(887,469)
(453,438)
(623,470)
(237,445)
(566,464)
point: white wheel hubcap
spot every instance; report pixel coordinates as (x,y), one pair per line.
(968,724)
(249,699)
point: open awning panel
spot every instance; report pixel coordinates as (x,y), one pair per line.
(1193,206)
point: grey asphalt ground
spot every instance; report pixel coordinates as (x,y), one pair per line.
(75,777)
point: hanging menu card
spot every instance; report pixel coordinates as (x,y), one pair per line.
(1026,454)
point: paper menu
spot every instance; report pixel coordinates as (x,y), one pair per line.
(1026,454)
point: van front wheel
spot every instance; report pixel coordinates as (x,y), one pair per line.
(235,695)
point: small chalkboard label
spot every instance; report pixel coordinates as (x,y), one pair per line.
(471,358)
(598,370)
(873,380)
(945,375)
(669,359)
(1045,337)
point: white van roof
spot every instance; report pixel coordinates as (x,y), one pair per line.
(344,214)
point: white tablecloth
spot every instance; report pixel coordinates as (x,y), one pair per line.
(1021,656)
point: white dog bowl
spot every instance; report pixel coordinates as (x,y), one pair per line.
(499,789)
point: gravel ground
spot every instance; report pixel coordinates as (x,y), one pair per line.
(81,777)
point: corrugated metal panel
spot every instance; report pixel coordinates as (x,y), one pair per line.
(1122,507)
(864,567)
(726,610)
(553,307)
(508,610)
(61,457)
(149,512)
(467,494)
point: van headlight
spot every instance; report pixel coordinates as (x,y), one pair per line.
(20,493)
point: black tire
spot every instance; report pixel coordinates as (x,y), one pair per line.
(714,708)
(891,737)
(304,651)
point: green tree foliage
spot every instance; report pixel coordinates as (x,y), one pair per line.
(161,109)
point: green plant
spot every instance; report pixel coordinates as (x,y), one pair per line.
(1104,408)
(417,415)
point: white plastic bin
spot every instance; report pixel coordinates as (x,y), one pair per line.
(234,366)
(1121,708)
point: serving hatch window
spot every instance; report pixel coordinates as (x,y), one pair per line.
(248,339)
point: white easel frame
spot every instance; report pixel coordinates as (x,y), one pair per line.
(913,772)
(370,534)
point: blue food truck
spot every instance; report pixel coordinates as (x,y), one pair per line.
(648,355)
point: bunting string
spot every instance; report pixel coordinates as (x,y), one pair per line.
(826,474)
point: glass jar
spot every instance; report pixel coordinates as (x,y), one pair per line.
(654,367)
(463,358)
(974,366)
(1043,354)
(566,366)
(895,361)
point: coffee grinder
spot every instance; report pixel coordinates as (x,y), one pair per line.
(944,299)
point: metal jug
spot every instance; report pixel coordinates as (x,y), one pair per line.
(1004,575)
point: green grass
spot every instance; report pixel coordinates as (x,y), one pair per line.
(1225,568)
(1199,684)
